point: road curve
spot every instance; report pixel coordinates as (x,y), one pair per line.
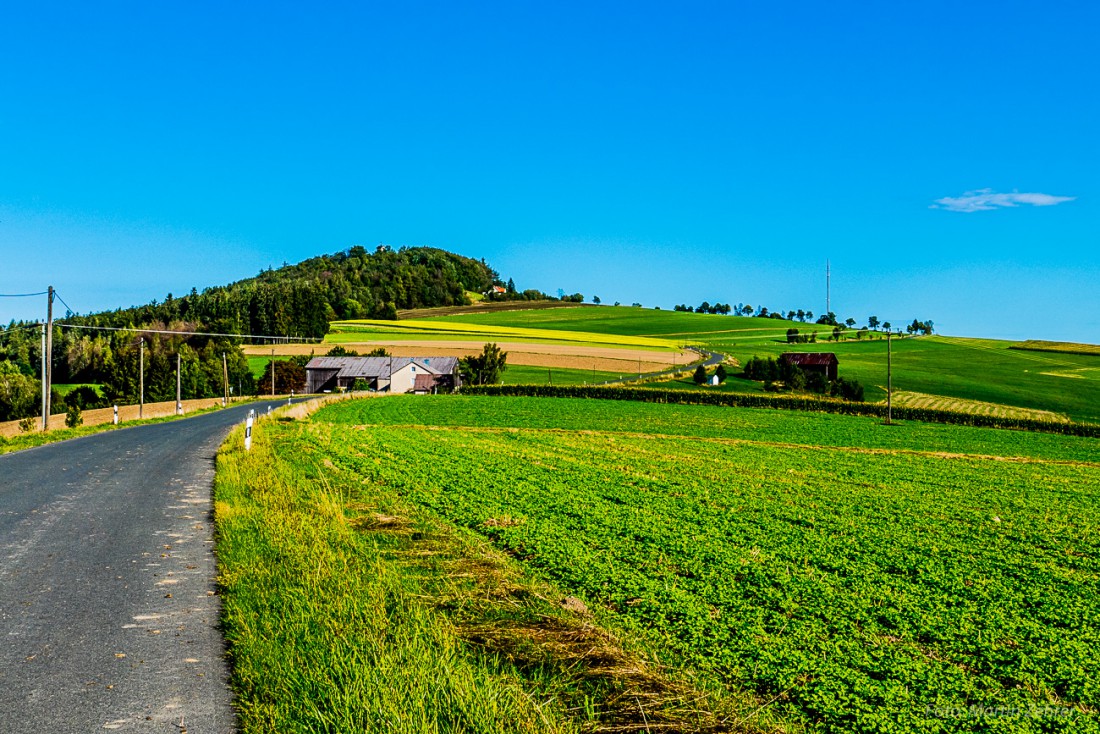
(108,608)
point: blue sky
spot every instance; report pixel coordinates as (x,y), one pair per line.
(942,156)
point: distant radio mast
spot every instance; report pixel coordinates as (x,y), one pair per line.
(828,304)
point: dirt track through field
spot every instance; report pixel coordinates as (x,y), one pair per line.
(561,356)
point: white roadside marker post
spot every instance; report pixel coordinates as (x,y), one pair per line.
(248,430)
(115,419)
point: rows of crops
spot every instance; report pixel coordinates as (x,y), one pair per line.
(1036,345)
(434,329)
(853,590)
(706,421)
(906,399)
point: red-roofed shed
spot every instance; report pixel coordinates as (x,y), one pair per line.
(823,362)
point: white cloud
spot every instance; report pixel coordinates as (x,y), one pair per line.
(987,199)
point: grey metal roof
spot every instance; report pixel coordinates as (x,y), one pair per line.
(355,367)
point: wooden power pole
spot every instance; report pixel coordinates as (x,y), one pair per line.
(45,387)
(141,380)
(889,382)
(47,356)
(179,405)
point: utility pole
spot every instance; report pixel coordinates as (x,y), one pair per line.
(225,380)
(179,405)
(272,373)
(45,387)
(141,381)
(889,383)
(47,355)
(828,286)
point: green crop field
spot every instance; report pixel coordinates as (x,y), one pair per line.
(982,370)
(518,374)
(343,332)
(827,571)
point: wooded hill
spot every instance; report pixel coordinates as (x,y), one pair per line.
(300,300)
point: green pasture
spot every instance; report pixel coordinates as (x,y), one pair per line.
(519,374)
(258,365)
(973,369)
(63,389)
(675,326)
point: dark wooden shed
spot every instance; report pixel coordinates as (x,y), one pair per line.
(823,362)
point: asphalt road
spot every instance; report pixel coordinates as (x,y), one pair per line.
(108,608)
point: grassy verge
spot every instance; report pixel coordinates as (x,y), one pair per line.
(347,608)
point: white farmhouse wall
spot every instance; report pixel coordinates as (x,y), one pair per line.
(404,378)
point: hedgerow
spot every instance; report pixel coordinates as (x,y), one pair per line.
(783,402)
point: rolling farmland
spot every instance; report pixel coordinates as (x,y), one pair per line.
(983,370)
(845,575)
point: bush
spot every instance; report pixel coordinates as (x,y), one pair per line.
(700,375)
(847,389)
(27,424)
(85,398)
(74,417)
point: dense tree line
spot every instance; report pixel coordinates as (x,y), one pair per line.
(292,301)
(111,360)
(300,300)
(780,376)
(801,315)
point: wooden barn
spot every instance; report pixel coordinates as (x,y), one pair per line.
(823,362)
(383,374)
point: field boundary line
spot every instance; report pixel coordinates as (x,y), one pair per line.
(951,455)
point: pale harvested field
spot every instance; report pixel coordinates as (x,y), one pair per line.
(563,356)
(905,399)
(100,416)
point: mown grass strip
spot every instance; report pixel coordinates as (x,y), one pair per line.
(908,399)
(348,609)
(1038,345)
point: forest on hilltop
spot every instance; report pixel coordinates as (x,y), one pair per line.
(300,300)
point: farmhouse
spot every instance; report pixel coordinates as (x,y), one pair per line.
(823,362)
(384,374)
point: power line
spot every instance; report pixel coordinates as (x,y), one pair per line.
(22,295)
(286,339)
(70,308)
(14,329)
